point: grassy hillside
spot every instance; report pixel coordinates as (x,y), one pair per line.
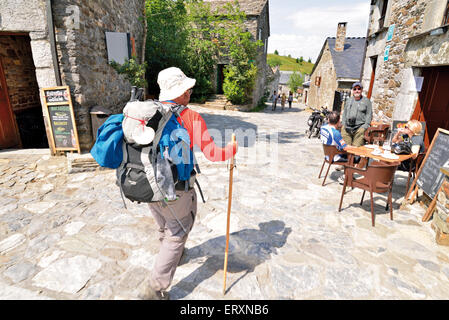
(289,64)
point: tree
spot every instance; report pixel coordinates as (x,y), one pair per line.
(276,52)
(274,61)
(309,61)
(295,81)
(167,38)
(187,34)
(301,59)
(237,45)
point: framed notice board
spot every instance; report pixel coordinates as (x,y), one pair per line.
(59,111)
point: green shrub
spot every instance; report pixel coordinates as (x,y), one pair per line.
(133,71)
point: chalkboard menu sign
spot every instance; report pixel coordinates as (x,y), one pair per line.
(62,126)
(57,95)
(430,177)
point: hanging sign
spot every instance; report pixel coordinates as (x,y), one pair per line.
(59,111)
(390,32)
(418,82)
(386,53)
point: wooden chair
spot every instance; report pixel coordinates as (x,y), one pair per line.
(377,133)
(330,152)
(414,164)
(377,177)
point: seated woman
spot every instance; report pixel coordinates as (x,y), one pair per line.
(409,135)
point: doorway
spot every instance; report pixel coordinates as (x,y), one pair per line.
(220,78)
(433,101)
(9,135)
(21,120)
(337,101)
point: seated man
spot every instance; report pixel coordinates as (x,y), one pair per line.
(330,135)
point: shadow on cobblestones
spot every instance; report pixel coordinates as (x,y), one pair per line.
(247,249)
(221,128)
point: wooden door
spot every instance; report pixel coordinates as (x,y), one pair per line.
(433,103)
(9,135)
(373,76)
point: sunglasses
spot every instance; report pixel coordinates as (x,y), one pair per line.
(357,89)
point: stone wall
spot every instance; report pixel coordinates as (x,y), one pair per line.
(81,42)
(20,74)
(394,95)
(259,28)
(29,16)
(324,94)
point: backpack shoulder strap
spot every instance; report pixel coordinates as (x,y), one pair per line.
(177,110)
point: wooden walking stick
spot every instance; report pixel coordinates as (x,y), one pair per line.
(229,219)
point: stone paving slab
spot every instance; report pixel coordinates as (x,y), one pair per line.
(68,236)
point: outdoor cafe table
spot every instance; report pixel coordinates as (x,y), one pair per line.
(366,152)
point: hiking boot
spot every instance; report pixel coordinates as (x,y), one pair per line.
(183,258)
(340,168)
(341,179)
(149,293)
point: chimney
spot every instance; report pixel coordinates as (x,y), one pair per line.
(341,35)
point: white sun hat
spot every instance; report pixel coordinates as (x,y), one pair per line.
(173,83)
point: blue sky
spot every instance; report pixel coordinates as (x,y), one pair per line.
(299,27)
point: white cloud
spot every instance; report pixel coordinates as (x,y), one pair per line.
(310,26)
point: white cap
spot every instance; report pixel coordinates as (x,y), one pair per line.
(173,83)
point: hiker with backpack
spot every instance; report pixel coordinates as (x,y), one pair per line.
(176,218)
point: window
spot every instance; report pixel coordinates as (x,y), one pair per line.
(318,81)
(446,14)
(383,13)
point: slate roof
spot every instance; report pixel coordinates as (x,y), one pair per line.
(285,76)
(349,62)
(250,7)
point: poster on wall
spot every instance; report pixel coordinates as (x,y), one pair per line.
(59,112)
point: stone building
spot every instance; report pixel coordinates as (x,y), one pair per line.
(337,67)
(258,24)
(406,68)
(284,79)
(46,43)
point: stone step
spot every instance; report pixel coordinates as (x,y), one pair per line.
(217,98)
(217,106)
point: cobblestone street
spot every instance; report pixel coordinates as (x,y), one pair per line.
(68,236)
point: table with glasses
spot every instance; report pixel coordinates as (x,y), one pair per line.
(375,152)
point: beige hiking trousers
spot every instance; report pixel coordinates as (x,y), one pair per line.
(357,139)
(172,235)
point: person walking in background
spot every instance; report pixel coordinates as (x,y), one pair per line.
(283,99)
(274,100)
(290,99)
(356,118)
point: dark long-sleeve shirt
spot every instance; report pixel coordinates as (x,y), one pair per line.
(361,111)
